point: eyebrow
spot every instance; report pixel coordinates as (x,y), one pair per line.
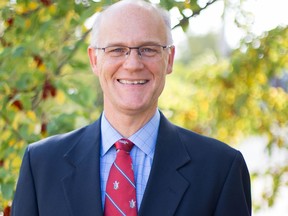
(146,43)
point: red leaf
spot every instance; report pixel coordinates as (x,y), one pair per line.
(1,163)
(7,211)
(10,21)
(46,2)
(18,104)
(48,90)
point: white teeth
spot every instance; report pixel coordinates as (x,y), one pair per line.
(132,82)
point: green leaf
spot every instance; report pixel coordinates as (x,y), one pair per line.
(7,190)
(19,51)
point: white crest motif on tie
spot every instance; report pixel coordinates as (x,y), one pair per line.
(123,142)
(132,203)
(116,185)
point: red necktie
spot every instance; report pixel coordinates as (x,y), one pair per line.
(120,197)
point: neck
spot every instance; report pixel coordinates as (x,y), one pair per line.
(128,124)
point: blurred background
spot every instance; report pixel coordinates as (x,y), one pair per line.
(230,81)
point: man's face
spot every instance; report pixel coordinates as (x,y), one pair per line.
(133,84)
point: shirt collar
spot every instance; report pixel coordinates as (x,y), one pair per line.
(145,138)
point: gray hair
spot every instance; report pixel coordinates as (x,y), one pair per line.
(162,12)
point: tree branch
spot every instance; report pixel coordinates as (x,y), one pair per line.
(65,60)
(196,13)
(8,123)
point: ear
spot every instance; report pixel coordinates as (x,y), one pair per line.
(171,60)
(93,59)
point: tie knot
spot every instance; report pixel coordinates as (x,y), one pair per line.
(124,144)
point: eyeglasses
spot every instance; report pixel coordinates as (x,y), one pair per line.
(149,52)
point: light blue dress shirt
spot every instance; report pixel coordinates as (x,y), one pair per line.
(142,153)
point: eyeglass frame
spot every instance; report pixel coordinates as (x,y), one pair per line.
(140,54)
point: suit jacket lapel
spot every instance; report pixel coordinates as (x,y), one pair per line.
(82,184)
(165,186)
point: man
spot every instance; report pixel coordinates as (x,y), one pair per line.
(177,172)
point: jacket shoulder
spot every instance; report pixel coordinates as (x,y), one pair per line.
(59,140)
(61,143)
(204,145)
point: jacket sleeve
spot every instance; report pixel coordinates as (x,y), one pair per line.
(235,198)
(25,200)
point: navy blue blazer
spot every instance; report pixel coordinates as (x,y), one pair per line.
(191,175)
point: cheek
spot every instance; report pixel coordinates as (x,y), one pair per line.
(160,78)
(103,69)
(162,70)
(109,67)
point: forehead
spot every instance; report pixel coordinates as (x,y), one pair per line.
(131,23)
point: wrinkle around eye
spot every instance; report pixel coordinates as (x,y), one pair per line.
(118,49)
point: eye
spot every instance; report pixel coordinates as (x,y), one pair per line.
(149,49)
(118,50)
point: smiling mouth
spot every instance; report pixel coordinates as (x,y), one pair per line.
(132,82)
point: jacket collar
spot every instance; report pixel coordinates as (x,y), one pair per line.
(82,184)
(166,186)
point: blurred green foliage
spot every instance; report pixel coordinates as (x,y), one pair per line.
(47,87)
(237,97)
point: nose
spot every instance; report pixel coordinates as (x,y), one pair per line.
(133,60)
(130,50)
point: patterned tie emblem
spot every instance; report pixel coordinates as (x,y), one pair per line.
(120,197)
